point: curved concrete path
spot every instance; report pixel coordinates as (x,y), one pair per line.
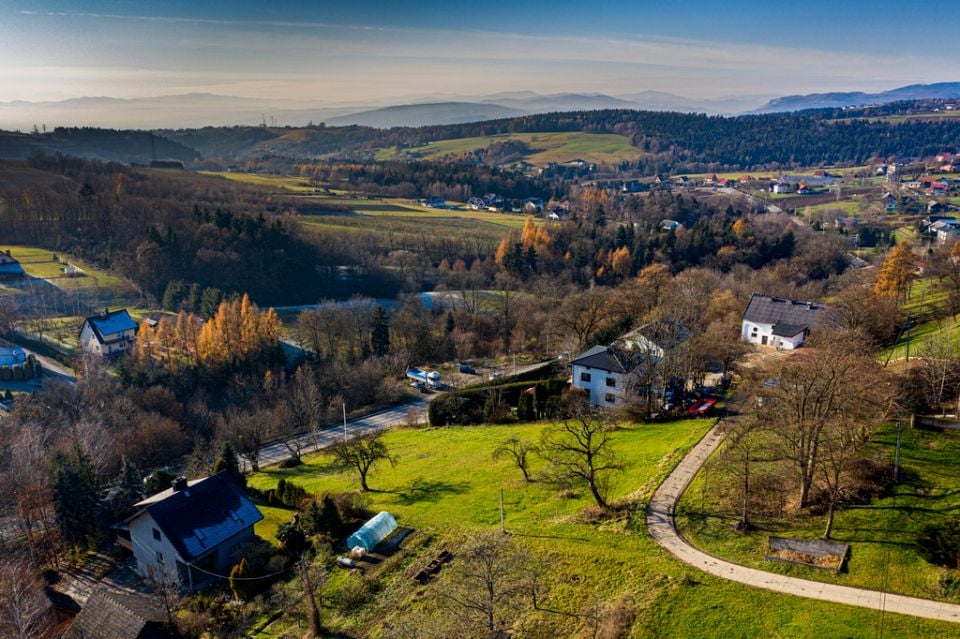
(662,526)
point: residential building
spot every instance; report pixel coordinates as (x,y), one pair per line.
(113,614)
(779,322)
(193,532)
(108,334)
(602,371)
(781,187)
(10,268)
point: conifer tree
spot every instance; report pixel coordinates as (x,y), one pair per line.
(380,332)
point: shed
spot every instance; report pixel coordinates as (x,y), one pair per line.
(373,532)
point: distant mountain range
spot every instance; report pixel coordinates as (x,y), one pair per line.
(195,110)
(938,91)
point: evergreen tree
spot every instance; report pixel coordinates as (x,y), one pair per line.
(76,498)
(380,332)
(129,489)
(174,296)
(229,462)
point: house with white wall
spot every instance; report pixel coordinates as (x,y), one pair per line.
(193,532)
(108,333)
(781,323)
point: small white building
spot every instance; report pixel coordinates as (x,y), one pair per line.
(779,322)
(191,532)
(107,334)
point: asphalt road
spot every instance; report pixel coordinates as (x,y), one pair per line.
(662,525)
(395,415)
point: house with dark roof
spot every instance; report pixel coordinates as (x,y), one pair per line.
(604,372)
(111,614)
(10,268)
(779,322)
(109,333)
(193,532)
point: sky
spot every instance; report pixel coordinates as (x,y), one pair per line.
(352,51)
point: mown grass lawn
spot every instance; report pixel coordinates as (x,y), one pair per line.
(446,483)
(927,298)
(881,535)
(39,263)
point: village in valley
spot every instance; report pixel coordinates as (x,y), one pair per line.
(493,359)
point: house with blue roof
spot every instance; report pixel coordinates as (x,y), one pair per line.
(193,532)
(108,334)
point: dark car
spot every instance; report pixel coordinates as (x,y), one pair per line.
(466,369)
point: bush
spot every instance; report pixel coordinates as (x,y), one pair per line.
(487,403)
(939,543)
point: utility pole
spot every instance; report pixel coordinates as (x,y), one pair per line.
(909,318)
(344,422)
(503,526)
(896,455)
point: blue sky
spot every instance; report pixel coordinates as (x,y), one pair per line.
(353,51)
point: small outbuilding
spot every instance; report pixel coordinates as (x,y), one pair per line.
(373,532)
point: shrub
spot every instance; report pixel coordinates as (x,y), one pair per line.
(939,543)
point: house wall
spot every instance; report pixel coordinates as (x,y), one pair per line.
(145,548)
(754,333)
(92,346)
(600,393)
(789,343)
(88,341)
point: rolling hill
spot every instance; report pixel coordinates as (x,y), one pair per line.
(941,90)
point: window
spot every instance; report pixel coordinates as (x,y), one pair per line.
(610,398)
(584,377)
(159,557)
(156,534)
(611,382)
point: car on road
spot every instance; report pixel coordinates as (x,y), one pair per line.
(495,375)
(467,369)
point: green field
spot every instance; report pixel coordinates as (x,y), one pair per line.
(39,263)
(446,482)
(881,534)
(544,147)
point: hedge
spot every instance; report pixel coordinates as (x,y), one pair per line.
(481,404)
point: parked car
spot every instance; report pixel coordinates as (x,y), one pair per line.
(467,369)
(496,375)
(420,386)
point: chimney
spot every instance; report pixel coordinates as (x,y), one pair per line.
(179,484)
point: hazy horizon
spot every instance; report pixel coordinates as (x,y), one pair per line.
(371,51)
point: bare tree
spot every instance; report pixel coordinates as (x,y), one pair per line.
(518,451)
(836,381)
(842,442)
(25,611)
(939,368)
(488,583)
(741,450)
(580,450)
(248,431)
(364,453)
(580,315)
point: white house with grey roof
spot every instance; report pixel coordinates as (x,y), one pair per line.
(779,322)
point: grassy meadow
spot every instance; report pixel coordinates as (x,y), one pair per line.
(544,147)
(446,483)
(39,263)
(880,534)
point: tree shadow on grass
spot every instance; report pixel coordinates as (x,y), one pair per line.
(425,490)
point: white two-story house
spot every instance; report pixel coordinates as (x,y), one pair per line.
(779,322)
(193,532)
(601,373)
(107,334)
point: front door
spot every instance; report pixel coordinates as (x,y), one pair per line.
(763,340)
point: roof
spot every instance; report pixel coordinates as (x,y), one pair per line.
(601,358)
(110,614)
(664,334)
(106,325)
(203,515)
(784,329)
(763,309)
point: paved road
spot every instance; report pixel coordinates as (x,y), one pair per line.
(393,416)
(661,523)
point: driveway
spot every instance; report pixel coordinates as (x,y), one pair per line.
(661,524)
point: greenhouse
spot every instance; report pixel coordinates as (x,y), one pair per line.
(373,532)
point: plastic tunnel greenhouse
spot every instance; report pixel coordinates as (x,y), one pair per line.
(373,532)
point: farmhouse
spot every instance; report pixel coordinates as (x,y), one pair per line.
(191,532)
(107,334)
(779,322)
(10,268)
